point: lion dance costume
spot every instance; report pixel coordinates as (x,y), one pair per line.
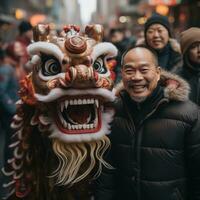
(63,116)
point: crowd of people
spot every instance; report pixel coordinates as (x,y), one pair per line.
(155,137)
(13,58)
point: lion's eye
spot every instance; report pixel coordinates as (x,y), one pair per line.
(51,67)
(99,66)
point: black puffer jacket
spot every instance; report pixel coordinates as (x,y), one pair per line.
(157,158)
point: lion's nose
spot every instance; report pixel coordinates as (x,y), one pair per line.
(82,76)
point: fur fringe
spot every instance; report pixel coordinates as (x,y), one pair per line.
(181,93)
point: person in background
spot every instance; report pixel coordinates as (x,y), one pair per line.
(155,138)
(139,36)
(190,46)
(8,96)
(22,41)
(158,36)
(119,39)
(14,53)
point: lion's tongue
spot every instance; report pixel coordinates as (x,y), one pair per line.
(79,113)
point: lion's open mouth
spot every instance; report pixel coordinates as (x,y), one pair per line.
(79,115)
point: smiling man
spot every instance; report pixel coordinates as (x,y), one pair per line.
(155,136)
(158,36)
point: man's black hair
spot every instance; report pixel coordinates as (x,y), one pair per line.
(140,46)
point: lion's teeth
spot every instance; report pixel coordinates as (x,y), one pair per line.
(69,126)
(79,101)
(80,126)
(88,126)
(84,101)
(62,105)
(65,124)
(71,102)
(66,104)
(75,101)
(97,103)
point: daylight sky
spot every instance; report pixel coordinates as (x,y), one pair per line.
(87,8)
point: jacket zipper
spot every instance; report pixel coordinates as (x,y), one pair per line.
(138,144)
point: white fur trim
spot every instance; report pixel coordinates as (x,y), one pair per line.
(102,48)
(58,92)
(35,59)
(16,125)
(7,173)
(47,48)
(19,102)
(17,118)
(87,137)
(5,185)
(29,65)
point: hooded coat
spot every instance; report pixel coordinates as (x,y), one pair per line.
(158,156)
(192,75)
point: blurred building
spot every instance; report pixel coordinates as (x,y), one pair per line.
(58,13)
(187,14)
(132,14)
(107,11)
(70,13)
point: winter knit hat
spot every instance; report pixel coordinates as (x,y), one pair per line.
(24,26)
(157,19)
(188,37)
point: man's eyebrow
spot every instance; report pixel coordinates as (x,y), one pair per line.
(127,65)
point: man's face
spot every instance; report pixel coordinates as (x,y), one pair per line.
(194,52)
(157,36)
(140,74)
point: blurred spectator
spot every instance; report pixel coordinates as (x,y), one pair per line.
(122,42)
(158,36)
(8,86)
(190,46)
(25,36)
(139,36)
(8,97)
(22,41)
(14,52)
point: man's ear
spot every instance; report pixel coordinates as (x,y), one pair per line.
(158,70)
